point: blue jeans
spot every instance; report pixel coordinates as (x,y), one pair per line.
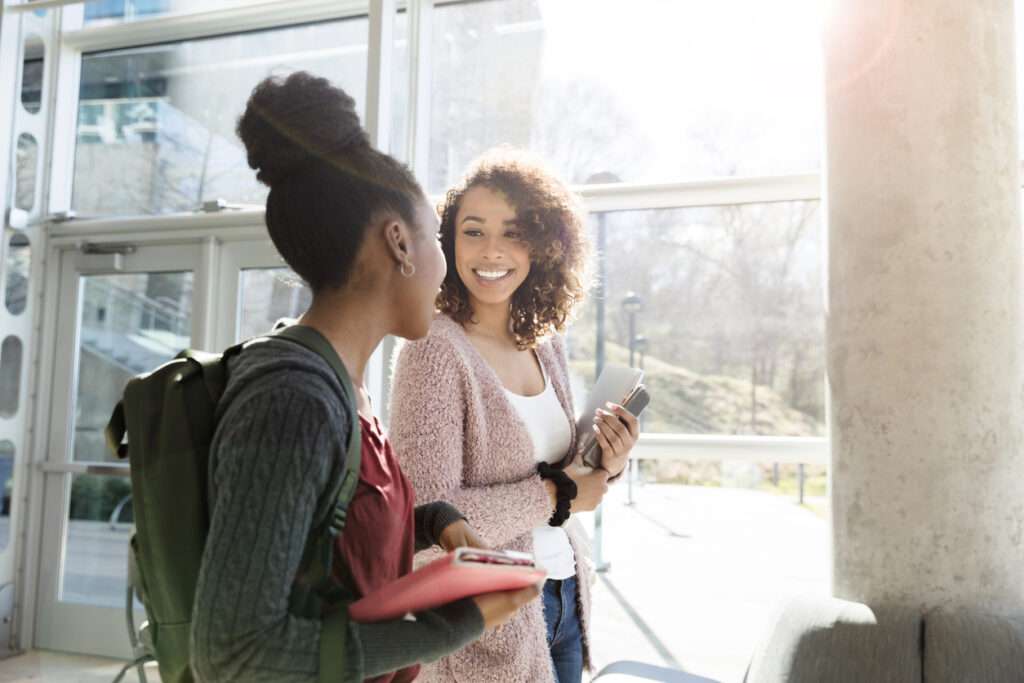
(565,639)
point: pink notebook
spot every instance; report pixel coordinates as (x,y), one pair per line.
(460,574)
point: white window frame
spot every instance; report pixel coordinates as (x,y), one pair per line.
(26,511)
(264,14)
(219,230)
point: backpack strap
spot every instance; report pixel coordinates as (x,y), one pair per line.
(317,343)
(316,589)
(215,368)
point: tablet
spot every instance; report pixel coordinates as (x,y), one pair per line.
(590,451)
(614,385)
(460,574)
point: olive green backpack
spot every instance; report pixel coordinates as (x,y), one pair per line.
(164,425)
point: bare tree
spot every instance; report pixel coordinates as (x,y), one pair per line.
(730,291)
(581,129)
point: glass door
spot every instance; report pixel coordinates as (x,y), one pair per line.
(256,289)
(120,314)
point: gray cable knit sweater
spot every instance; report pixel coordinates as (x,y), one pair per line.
(277,453)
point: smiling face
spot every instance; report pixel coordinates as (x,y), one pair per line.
(491,256)
(514,236)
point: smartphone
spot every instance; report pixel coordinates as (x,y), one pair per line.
(635,403)
(504,558)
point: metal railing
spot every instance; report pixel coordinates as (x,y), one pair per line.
(118,324)
(107,304)
(769,450)
(759,449)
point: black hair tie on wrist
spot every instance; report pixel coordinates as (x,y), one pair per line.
(565,492)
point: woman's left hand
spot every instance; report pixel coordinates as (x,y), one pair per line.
(617,432)
(460,535)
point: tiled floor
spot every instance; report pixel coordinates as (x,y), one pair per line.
(52,667)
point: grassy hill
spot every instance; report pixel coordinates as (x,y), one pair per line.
(684,401)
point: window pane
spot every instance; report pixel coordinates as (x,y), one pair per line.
(100,523)
(648,90)
(7,488)
(265,296)
(699,570)
(10,376)
(399,87)
(19,255)
(116,11)
(731,331)
(26,166)
(156,125)
(32,74)
(129,324)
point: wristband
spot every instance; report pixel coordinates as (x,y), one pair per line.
(565,492)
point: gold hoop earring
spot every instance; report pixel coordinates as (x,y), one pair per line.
(411,269)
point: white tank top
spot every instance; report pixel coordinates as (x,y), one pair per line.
(551,433)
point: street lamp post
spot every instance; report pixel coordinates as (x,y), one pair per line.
(632,304)
(640,342)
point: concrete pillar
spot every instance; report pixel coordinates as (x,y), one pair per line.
(924,321)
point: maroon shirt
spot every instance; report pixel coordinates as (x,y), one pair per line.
(378,543)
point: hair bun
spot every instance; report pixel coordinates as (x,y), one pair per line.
(294,121)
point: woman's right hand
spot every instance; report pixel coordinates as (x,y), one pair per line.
(591,485)
(497,608)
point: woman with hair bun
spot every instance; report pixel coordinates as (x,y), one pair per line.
(354,224)
(502,446)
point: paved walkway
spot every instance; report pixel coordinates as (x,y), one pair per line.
(696,574)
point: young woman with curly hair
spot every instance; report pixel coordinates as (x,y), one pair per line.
(482,413)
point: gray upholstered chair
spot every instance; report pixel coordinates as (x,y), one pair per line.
(973,648)
(824,640)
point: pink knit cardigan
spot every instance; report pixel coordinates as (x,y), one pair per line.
(460,439)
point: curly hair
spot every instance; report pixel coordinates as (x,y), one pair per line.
(551,220)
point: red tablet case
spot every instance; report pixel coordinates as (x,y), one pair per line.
(439,583)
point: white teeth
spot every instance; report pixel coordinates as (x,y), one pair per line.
(492,274)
